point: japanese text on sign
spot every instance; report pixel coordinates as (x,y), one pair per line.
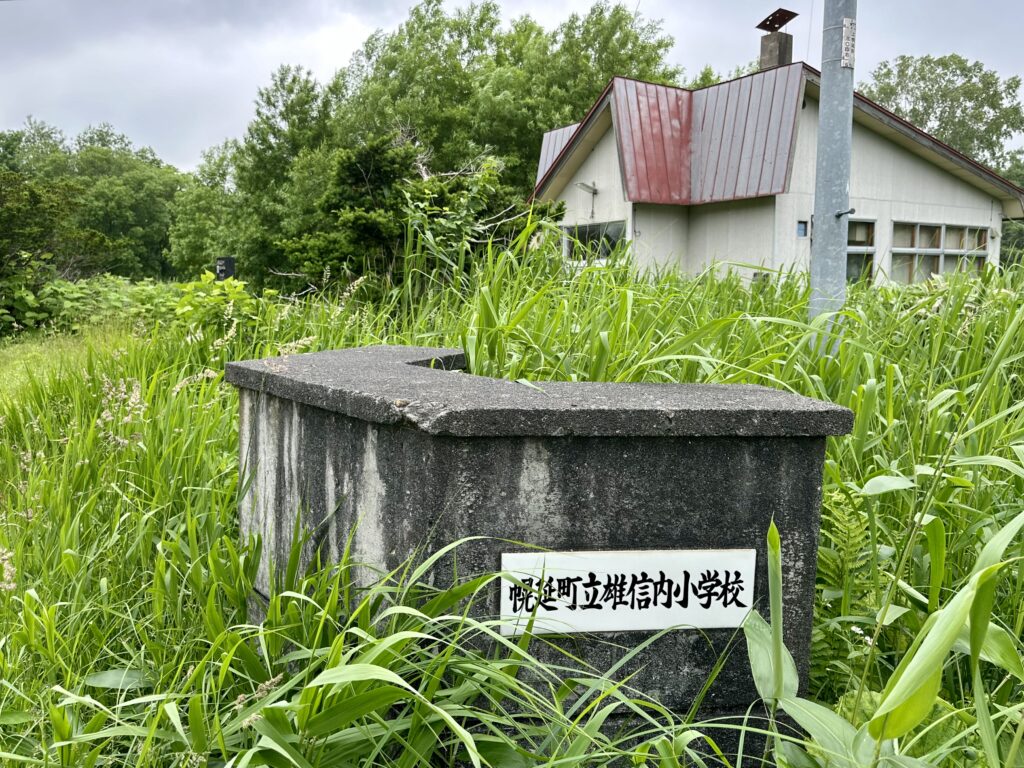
(634,590)
(849,43)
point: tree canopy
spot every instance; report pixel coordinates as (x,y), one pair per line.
(93,204)
(461,84)
(960,102)
(444,98)
(440,120)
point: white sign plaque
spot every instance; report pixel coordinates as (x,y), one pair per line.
(849,43)
(614,591)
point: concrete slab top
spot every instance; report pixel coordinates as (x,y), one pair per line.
(426,389)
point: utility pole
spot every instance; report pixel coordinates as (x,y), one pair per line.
(832,178)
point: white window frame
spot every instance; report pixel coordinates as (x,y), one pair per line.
(980,256)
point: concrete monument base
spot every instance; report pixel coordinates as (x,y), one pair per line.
(415,453)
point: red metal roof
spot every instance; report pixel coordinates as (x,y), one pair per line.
(652,125)
(729,141)
(679,147)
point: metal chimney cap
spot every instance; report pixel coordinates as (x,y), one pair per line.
(777,20)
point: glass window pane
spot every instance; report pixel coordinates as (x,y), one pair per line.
(929,237)
(972,264)
(903,236)
(902,269)
(954,239)
(597,240)
(977,240)
(858,267)
(861,233)
(950,263)
(926,267)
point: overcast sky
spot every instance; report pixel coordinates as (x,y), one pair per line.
(181,75)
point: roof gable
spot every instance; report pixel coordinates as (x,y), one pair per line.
(911,138)
(743,134)
(730,141)
(553,143)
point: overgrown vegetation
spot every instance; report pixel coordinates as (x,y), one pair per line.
(65,305)
(127,638)
(440,118)
(392,199)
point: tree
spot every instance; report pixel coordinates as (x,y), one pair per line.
(959,102)
(419,81)
(708,77)
(202,214)
(291,117)
(374,203)
(30,216)
(461,85)
(359,227)
(125,196)
(1013,231)
(10,145)
(610,40)
(419,122)
(101,204)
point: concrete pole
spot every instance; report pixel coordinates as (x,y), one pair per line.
(832,179)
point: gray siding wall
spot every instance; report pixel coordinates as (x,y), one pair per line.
(888,184)
(600,168)
(661,237)
(741,231)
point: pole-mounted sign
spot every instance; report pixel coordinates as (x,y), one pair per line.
(849,42)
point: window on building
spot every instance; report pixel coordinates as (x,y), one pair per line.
(594,240)
(920,251)
(860,251)
(801,229)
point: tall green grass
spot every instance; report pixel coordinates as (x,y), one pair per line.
(125,637)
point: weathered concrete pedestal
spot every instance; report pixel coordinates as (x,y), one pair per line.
(421,456)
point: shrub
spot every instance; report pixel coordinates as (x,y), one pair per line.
(218,305)
(20,280)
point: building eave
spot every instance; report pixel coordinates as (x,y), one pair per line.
(877,118)
(585,127)
(866,113)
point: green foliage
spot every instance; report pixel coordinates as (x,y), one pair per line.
(97,205)
(72,306)
(125,197)
(32,355)
(21,276)
(361,226)
(846,600)
(375,204)
(707,76)
(291,119)
(1012,249)
(200,230)
(958,101)
(209,304)
(460,84)
(418,122)
(64,305)
(130,586)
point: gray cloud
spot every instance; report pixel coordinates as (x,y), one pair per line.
(181,75)
(42,26)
